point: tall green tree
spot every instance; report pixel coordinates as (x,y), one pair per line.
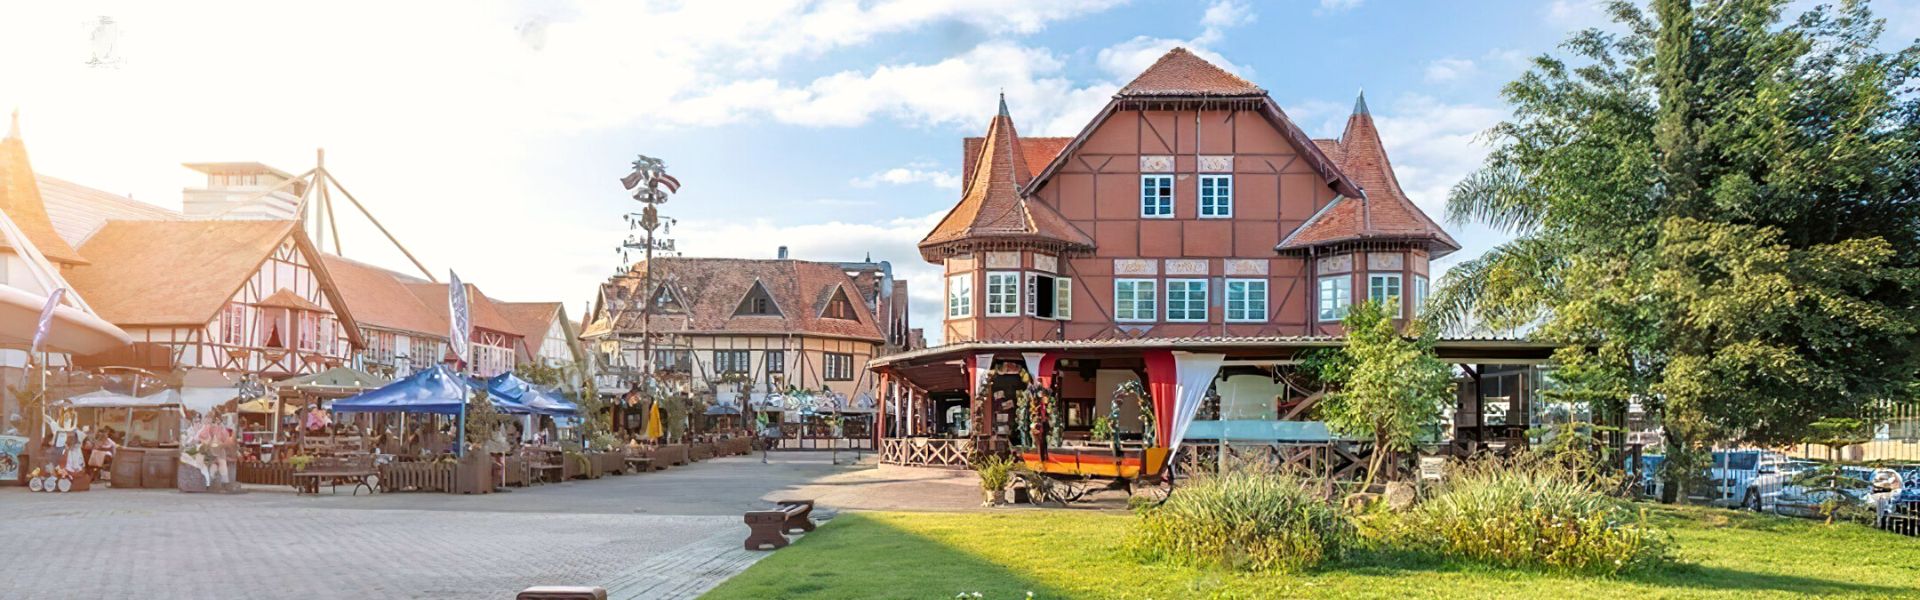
(1716,209)
(1389,386)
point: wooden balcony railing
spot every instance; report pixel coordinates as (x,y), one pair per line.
(925,452)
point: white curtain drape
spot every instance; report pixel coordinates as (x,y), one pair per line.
(981,364)
(1033,364)
(1193,374)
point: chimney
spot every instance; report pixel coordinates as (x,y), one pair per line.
(783,253)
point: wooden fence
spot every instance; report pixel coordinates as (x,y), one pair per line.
(424,476)
(926,452)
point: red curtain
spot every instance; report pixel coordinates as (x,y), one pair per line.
(1161,376)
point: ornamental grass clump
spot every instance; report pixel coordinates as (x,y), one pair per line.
(1533,512)
(1243,521)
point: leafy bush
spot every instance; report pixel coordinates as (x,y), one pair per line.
(995,471)
(1531,511)
(1242,520)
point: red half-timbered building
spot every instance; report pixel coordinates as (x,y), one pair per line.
(1190,231)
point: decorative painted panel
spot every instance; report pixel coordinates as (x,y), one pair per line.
(1246,266)
(1385,261)
(1003,260)
(1156,164)
(1186,266)
(957,263)
(1135,266)
(1216,164)
(1339,263)
(1046,262)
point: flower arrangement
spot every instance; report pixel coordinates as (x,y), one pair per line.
(1140,396)
(300,461)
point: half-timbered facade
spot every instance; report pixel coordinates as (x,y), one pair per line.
(400,333)
(1190,237)
(749,326)
(237,297)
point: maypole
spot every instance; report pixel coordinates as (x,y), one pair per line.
(651,187)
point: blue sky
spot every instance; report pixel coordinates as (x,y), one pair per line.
(489,135)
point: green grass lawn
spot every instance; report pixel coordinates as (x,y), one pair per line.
(1078,554)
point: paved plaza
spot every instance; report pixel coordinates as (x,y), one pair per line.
(669,534)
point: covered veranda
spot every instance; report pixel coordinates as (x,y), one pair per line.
(1206,400)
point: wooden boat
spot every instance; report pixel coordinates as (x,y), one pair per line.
(1098,462)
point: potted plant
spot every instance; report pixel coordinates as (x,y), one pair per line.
(995,472)
(300,461)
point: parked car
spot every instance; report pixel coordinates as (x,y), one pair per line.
(1900,507)
(1732,472)
(1781,490)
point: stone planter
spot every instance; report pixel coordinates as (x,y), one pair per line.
(700,451)
(571,467)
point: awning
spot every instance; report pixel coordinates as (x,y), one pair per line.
(106,399)
(339,379)
(73,331)
(511,387)
(437,390)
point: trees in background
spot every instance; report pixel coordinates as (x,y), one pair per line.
(1716,209)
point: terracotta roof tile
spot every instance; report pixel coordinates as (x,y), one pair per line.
(1181,73)
(172,272)
(77,210)
(380,298)
(1384,213)
(711,290)
(1038,152)
(285,298)
(991,206)
(20,198)
(480,309)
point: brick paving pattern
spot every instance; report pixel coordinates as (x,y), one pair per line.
(671,534)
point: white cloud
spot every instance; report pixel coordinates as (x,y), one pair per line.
(910,174)
(1576,14)
(1433,144)
(1220,16)
(1448,69)
(1339,5)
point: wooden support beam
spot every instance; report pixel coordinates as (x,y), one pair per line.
(383,231)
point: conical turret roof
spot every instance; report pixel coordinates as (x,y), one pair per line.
(991,207)
(1383,212)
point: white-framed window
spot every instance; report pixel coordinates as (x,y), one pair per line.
(1384,289)
(1187,300)
(1216,196)
(1336,295)
(1247,300)
(960,296)
(1134,300)
(732,361)
(837,367)
(1003,294)
(1419,294)
(1049,297)
(309,331)
(1156,196)
(776,361)
(234,325)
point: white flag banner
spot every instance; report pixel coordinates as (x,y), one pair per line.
(46,318)
(459,322)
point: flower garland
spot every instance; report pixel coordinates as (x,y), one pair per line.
(1140,396)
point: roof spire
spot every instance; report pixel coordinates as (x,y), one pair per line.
(1003,103)
(1360,103)
(13,130)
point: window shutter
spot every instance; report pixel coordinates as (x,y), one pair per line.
(1033,291)
(1063,298)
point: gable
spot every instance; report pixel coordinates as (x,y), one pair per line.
(757,303)
(173,272)
(838,306)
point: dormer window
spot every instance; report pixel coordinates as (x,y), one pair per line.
(757,303)
(839,307)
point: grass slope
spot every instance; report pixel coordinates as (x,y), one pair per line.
(1077,554)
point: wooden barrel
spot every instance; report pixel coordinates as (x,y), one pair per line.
(159,467)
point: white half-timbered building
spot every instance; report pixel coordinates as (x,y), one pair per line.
(237,297)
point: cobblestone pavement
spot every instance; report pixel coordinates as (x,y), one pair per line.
(270,543)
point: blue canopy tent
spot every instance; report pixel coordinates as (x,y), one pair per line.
(436,390)
(538,401)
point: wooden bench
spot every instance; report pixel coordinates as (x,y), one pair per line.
(333,471)
(772,526)
(562,592)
